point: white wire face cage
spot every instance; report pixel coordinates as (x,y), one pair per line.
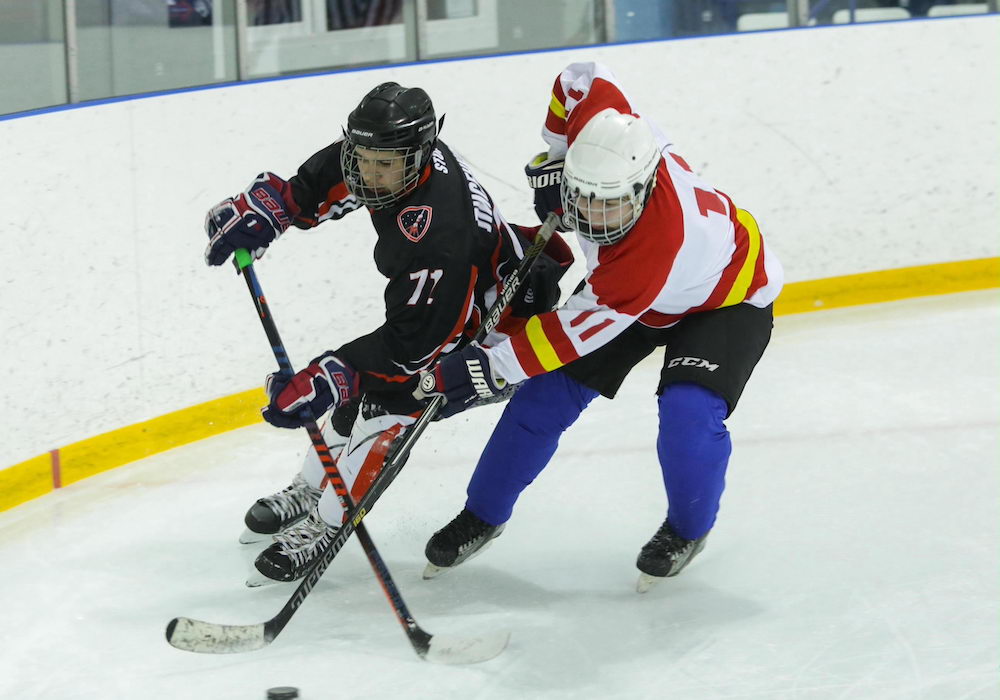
(380,177)
(603,221)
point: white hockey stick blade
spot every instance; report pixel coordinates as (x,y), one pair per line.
(646,582)
(210,638)
(445,649)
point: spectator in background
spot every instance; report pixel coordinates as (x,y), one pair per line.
(261,12)
(351,14)
(189,13)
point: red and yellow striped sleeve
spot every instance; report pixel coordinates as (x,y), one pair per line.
(555,118)
(578,93)
(556,338)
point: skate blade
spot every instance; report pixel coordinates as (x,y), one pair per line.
(259,580)
(646,582)
(250,537)
(431,571)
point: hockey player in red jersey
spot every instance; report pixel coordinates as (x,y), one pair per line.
(445,249)
(671,261)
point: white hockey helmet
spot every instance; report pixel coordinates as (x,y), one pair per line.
(608,176)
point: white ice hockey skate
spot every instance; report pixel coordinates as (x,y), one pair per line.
(273,514)
(458,541)
(666,554)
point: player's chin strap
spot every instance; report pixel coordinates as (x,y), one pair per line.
(196,635)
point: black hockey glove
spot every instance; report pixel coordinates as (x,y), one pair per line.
(545,177)
(249,220)
(540,290)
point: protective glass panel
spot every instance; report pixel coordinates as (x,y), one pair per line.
(32,55)
(635,20)
(132,46)
(858,11)
(469,27)
(295,36)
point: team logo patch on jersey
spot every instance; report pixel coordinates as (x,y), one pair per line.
(414,222)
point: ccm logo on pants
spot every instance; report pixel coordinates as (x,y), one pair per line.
(692,362)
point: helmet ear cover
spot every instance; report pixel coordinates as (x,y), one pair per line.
(399,122)
(610,169)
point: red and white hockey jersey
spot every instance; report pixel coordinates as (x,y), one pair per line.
(691,250)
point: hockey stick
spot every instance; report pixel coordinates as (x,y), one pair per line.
(196,635)
(426,645)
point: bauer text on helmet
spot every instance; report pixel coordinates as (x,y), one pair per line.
(388,140)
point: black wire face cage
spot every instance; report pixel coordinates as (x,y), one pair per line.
(623,211)
(380,177)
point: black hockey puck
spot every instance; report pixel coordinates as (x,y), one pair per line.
(282,693)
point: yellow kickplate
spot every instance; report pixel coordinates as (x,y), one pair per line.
(79,460)
(889,285)
(25,481)
(36,476)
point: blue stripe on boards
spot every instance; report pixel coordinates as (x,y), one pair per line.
(429,61)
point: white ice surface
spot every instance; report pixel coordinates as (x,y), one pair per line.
(856,554)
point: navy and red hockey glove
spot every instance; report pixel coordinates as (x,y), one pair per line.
(249,220)
(326,383)
(463,378)
(545,179)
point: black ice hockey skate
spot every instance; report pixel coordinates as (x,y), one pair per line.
(461,539)
(666,554)
(293,552)
(272,514)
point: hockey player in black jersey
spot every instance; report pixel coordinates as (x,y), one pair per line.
(445,249)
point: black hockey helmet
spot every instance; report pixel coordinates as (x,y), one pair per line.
(396,129)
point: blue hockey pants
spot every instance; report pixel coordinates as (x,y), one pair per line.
(693,446)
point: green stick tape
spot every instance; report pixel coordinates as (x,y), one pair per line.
(243,258)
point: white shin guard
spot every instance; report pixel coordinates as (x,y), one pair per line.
(360,460)
(312,469)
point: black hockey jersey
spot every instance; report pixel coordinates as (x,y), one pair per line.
(445,249)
